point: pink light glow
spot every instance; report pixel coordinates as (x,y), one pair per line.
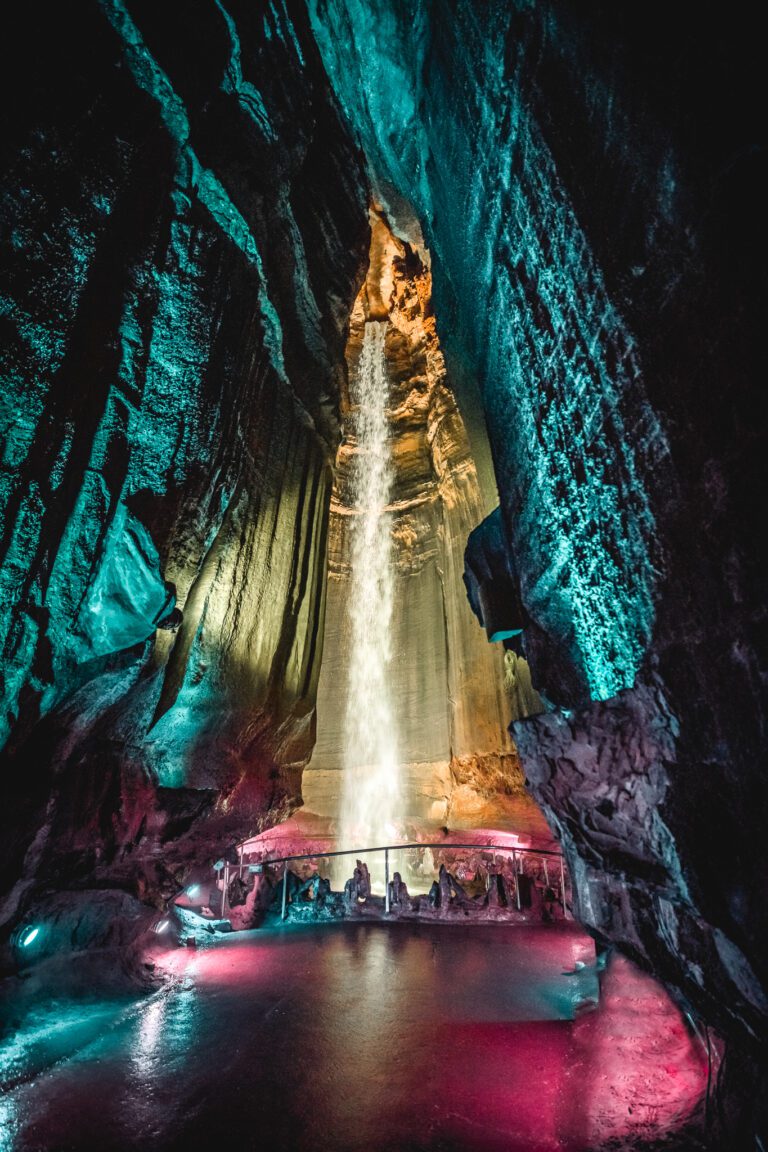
(627,1070)
(453,1037)
(534,1084)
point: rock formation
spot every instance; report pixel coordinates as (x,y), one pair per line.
(188,233)
(448,684)
(587,184)
(185,197)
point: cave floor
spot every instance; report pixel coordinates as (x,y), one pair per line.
(362,1038)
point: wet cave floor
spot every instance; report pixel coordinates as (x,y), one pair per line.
(364,1037)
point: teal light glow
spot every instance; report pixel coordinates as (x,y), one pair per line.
(28,936)
(197,181)
(576,445)
(248,96)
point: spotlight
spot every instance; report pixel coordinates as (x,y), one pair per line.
(162,926)
(28,935)
(193,891)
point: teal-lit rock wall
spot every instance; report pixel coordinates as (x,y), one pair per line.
(589,183)
(186,230)
(185,227)
(443,110)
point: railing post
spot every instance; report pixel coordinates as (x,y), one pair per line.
(386,881)
(224,870)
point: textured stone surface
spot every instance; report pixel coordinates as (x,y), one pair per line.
(448,684)
(589,187)
(517,284)
(185,227)
(186,232)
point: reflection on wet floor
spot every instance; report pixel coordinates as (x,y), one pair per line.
(365,1038)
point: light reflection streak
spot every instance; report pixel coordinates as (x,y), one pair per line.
(144,1055)
(425,1017)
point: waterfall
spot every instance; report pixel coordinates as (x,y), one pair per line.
(370,800)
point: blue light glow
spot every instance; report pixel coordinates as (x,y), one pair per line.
(27,936)
(573,436)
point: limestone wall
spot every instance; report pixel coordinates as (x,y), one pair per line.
(450,702)
(186,233)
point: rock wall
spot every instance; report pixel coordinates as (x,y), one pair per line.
(186,230)
(449,694)
(589,184)
(518,286)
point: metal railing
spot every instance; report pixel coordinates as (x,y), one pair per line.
(516,855)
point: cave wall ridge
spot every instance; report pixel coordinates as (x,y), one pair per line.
(584,184)
(186,227)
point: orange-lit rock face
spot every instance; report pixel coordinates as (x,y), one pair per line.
(453,694)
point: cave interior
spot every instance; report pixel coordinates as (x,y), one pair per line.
(526,587)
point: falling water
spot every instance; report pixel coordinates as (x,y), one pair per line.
(371,788)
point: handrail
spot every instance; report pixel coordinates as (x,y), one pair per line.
(507,848)
(512,851)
